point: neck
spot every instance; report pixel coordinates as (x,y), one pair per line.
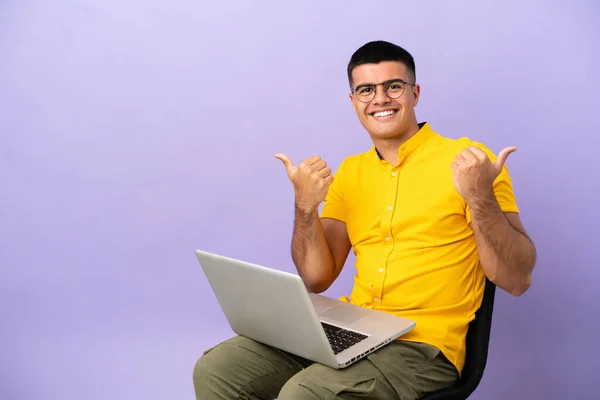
(388,147)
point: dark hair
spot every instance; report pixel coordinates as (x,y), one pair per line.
(378,51)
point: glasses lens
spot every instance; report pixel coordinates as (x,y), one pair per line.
(365,93)
(394,89)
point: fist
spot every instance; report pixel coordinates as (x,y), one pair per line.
(474,173)
(311,180)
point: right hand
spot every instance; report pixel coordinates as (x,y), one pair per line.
(311,180)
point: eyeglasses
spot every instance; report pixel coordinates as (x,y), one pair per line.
(393,88)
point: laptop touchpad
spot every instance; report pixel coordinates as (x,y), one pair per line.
(345,315)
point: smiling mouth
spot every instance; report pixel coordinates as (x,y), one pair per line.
(383,114)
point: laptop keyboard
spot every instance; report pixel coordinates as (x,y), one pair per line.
(340,339)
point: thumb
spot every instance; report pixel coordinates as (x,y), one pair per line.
(287,162)
(502,156)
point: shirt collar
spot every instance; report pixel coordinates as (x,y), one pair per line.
(424,133)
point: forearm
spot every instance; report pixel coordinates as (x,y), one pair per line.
(507,255)
(310,251)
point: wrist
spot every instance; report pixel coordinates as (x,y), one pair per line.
(483,200)
(306,209)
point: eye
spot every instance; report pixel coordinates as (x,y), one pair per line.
(365,90)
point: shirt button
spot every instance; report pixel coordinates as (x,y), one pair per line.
(387,238)
(380,269)
(375,299)
(389,208)
(394,173)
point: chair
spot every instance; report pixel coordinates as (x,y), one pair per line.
(477,341)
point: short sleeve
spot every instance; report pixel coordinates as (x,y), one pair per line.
(502,187)
(334,206)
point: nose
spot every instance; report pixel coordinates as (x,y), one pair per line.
(381,96)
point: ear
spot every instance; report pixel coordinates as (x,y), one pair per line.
(351,96)
(416,93)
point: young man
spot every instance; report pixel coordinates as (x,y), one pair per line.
(427,217)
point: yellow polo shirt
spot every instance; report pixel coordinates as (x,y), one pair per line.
(415,251)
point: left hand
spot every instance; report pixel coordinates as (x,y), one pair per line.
(474,173)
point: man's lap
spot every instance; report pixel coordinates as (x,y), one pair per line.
(242,368)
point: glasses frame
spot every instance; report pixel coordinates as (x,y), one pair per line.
(385,90)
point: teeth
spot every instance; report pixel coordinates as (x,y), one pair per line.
(384,113)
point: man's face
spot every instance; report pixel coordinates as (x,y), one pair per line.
(384,117)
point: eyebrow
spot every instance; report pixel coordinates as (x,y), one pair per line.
(384,82)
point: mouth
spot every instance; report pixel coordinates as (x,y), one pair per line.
(383,115)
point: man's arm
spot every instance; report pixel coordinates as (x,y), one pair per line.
(320,248)
(506,252)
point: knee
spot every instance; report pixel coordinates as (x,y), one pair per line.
(204,372)
(201,370)
(211,366)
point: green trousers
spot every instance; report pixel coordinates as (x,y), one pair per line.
(241,368)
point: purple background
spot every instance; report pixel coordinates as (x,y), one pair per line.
(133,132)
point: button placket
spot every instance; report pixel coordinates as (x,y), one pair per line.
(386,225)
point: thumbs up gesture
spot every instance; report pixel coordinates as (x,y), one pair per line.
(311,180)
(474,173)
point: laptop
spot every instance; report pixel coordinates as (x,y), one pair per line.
(275,308)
